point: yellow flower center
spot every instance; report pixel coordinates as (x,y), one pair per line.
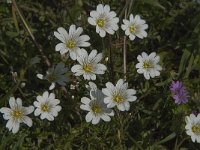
(101,22)
(70,44)
(118,98)
(45,107)
(96,108)
(132,28)
(17,114)
(147,65)
(196,129)
(87,68)
(51,77)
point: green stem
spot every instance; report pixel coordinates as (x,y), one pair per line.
(30,33)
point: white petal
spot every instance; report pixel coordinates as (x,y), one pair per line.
(131,18)
(124,27)
(95,120)
(107,100)
(102,33)
(72,29)
(146,75)
(110,86)
(85,100)
(52,86)
(40,99)
(45,95)
(19,102)
(144,55)
(73,55)
(121,107)
(105,117)
(94,14)
(91,21)
(111,105)
(76,68)
(131,91)
(28,110)
(152,55)
(131,37)
(59,36)
(40,76)
(10,124)
(15,128)
(43,116)
(60,46)
(63,32)
(12,102)
(127,106)
(106,8)
(88,117)
(85,107)
(131,98)
(92,54)
(120,82)
(5,110)
(27,121)
(54,102)
(50,117)
(140,71)
(139,58)
(37,112)
(100,8)
(58,108)
(52,96)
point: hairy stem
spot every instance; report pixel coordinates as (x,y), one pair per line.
(124,52)
(111,59)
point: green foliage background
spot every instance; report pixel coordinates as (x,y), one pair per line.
(154,122)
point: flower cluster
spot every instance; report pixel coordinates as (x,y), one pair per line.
(46,105)
(99,104)
(180,93)
(101,101)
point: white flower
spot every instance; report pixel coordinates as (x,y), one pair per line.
(148,65)
(96,107)
(119,95)
(56,74)
(193,127)
(89,65)
(134,27)
(47,106)
(16,114)
(104,20)
(71,41)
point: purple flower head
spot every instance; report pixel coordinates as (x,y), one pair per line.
(177,87)
(179,91)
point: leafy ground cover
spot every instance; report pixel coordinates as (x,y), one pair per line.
(155,121)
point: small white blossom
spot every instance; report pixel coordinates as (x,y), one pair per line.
(148,65)
(89,65)
(16,114)
(71,41)
(193,127)
(104,20)
(119,95)
(47,106)
(96,107)
(134,27)
(56,74)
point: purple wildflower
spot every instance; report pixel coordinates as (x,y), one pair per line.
(179,91)
(177,87)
